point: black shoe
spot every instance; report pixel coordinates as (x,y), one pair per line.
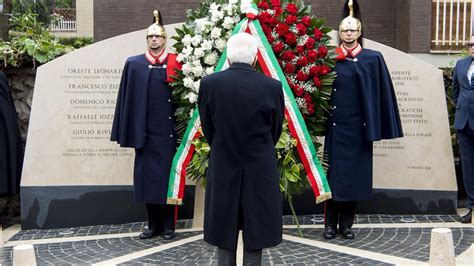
(329,232)
(149,233)
(466,219)
(169,234)
(346,232)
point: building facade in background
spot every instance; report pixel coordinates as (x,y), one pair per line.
(433,30)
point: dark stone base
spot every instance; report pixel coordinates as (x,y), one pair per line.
(71,206)
(59,207)
(388,201)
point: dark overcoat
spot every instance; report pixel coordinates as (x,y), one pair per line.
(364,110)
(241,113)
(144,120)
(11,151)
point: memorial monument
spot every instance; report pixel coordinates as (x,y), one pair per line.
(73,175)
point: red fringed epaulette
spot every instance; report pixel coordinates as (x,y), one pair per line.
(340,54)
(173,64)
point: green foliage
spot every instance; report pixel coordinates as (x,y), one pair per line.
(30,42)
(41,7)
(63,4)
(76,42)
(448,86)
(292,178)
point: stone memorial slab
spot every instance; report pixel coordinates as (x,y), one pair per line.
(416,171)
(70,164)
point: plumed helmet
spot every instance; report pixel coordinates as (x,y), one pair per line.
(157,27)
(351,16)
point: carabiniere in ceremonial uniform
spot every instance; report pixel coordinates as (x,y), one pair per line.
(144,120)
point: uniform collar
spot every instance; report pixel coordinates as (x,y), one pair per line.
(156,59)
(351,52)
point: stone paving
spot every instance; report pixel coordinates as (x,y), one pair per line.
(380,240)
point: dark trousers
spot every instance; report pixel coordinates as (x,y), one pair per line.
(160,216)
(228,257)
(466,147)
(339,212)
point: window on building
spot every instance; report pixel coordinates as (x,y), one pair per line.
(451,25)
(65,13)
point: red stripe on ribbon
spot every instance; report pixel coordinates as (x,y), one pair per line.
(188,158)
(302,154)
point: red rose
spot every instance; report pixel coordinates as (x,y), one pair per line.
(314,70)
(302,62)
(322,51)
(263,5)
(299,49)
(289,69)
(317,34)
(270,38)
(312,56)
(301,29)
(290,20)
(310,108)
(309,103)
(288,56)
(292,8)
(298,91)
(282,29)
(267,30)
(324,70)
(309,43)
(278,47)
(264,17)
(272,21)
(317,82)
(301,76)
(278,11)
(290,39)
(306,21)
(275,3)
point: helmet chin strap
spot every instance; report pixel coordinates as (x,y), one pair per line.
(158,50)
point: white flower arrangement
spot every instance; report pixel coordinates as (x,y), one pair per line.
(203,43)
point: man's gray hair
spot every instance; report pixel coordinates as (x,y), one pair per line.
(242,48)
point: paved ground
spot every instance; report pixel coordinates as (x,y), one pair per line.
(380,240)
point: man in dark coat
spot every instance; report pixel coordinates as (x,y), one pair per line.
(463,96)
(241,113)
(364,110)
(144,120)
(11,151)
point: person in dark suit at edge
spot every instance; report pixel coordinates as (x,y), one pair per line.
(463,96)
